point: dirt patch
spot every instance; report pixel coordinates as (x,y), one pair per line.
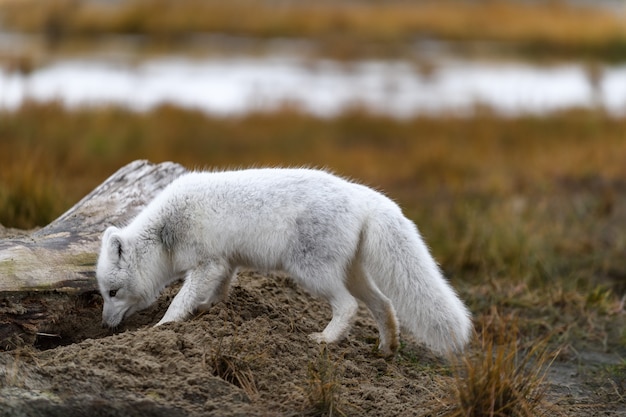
(260,333)
(248,356)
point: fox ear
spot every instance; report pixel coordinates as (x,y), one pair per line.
(107,233)
(115,244)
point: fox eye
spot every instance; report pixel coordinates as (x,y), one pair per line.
(112,293)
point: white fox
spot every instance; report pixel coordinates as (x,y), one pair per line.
(340,240)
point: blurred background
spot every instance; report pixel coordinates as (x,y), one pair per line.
(498,126)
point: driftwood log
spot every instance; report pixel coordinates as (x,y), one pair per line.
(43,273)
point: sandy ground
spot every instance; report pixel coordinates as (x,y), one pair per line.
(259,334)
(250,356)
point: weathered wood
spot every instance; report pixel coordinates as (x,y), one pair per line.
(60,258)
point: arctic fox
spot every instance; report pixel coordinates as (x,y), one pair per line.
(340,240)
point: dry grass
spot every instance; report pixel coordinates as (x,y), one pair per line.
(523,214)
(233,367)
(28,194)
(515,194)
(516,160)
(617,378)
(323,392)
(537,27)
(502,378)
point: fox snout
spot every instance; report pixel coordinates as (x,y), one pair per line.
(108,323)
(112,315)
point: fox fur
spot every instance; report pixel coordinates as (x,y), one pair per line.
(339,240)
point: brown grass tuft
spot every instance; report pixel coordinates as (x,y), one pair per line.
(324,387)
(501,378)
(233,368)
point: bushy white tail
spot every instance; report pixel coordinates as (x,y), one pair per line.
(396,258)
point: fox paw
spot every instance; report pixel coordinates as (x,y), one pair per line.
(386,351)
(318,337)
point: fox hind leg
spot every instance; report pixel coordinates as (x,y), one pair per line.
(362,287)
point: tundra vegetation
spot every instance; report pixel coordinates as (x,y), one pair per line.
(526,215)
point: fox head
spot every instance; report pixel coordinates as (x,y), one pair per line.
(118,278)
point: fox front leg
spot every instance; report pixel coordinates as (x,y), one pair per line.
(203,286)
